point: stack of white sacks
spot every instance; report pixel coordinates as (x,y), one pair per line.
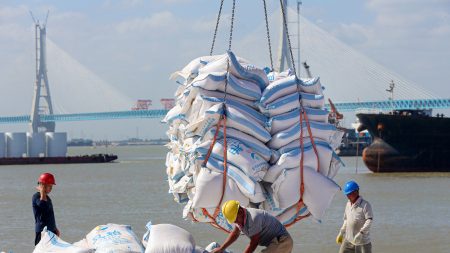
(262,136)
(115,238)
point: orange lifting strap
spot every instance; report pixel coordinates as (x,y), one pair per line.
(222,122)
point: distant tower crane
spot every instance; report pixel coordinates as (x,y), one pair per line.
(168,103)
(391,89)
(142,104)
(308,72)
(42,102)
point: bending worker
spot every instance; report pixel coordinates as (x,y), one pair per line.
(354,234)
(43,207)
(262,228)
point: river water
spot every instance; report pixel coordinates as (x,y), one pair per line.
(411,211)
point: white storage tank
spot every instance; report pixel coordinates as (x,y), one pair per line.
(2,145)
(16,144)
(56,144)
(36,144)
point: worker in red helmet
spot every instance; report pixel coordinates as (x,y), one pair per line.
(43,207)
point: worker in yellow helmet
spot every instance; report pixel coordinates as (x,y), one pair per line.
(262,228)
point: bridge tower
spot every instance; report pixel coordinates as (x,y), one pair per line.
(284,60)
(42,103)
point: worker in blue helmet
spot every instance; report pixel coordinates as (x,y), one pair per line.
(354,236)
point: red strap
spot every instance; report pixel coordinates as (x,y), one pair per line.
(214,222)
(222,122)
(302,186)
(313,143)
(214,140)
(225,166)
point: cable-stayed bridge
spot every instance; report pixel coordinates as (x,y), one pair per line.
(160,113)
(369,77)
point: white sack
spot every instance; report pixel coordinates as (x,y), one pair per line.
(235,119)
(248,140)
(168,238)
(190,71)
(279,88)
(311,85)
(202,125)
(335,165)
(274,75)
(289,215)
(283,121)
(312,100)
(319,190)
(234,86)
(214,245)
(242,71)
(247,111)
(239,155)
(319,130)
(114,238)
(174,115)
(282,105)
(209,189)
(51,243)
(292,158)
(245,183)
(218,94)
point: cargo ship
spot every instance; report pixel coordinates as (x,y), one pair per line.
(97,158)
(353,143)
(407,141)
(80,143)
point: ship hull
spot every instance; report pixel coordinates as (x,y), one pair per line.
(58,160)
(407,143)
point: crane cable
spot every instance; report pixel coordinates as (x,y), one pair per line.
(268,35)
(288,37)
(217,26)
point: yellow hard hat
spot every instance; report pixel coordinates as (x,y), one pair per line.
(230,210)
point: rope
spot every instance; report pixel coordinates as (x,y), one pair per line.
(268,34)
(302,146)
(232,24)
(287,36)
(217,27)
(313,143)
(225,167)
(208,154)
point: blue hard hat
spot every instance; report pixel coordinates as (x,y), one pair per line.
(350,187)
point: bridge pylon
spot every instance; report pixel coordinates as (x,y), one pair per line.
(42,102)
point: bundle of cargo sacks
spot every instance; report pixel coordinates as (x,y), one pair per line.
(278,140)
(114,238)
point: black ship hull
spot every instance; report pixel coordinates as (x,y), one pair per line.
(99,158)
(407,143)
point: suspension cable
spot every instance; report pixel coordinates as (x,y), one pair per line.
(287,36)
(232,24)
(268,35)
(217,27)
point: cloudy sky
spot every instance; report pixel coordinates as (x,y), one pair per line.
(126,49)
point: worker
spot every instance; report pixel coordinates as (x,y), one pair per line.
(262,228)
(354,236)
(43,207)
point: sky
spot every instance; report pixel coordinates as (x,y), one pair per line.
(109,53)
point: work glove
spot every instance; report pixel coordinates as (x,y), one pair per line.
(339,238)
(358,239)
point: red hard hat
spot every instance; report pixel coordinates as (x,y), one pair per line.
(47,178)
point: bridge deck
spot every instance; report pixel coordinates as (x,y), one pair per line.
(157,114)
